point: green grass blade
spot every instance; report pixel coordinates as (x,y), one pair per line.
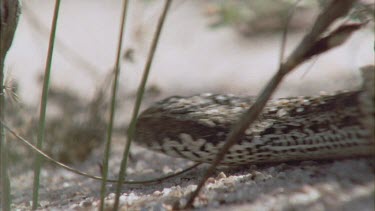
(112,109)
(43,107)
(141,88)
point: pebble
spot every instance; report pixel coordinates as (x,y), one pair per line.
(157,193)
(210,180)
(306,196)
(109,203)
(122,199)
(75,207)
(167,170)
(85,203)
(111,196)
(221,175)
(261,176)
(166,191)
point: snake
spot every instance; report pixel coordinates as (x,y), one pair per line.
(327,126)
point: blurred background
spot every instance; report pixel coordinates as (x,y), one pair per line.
(226,46)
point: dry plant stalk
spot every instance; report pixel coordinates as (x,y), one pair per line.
(9,13)
(137,105)
(43,106)
(113,105)
(311,45)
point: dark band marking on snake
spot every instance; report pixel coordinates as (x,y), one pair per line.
(329,126)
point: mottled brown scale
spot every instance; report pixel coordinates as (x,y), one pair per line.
(296,128)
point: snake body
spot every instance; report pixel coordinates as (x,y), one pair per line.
(329,126)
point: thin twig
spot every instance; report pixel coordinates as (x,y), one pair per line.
(113,107)
(76,171)
(43,107)
(140,92)
(285,31)
(334,10)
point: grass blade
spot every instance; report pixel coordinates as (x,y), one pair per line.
(113,106)
(43,107)
(140,92)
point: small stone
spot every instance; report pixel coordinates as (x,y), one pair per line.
(95,203)
(273,108)
(272,170)
(167,206)
(122,199)
(300,109)
(230,182)
(66,184)
(221,175)
(206,94)
(132,197)
(176,192)
(282,112)
(207,122)
(221,98)
(306,196)
(111,196)
(210,180)
(109,203)
(44,203)
(191,188)
(258,176)
(166,191)
(202,199)
(306,102)
(157,193)
(167,170)
(85,203)
(74,207)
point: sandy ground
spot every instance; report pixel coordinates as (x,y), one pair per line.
(191,58)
